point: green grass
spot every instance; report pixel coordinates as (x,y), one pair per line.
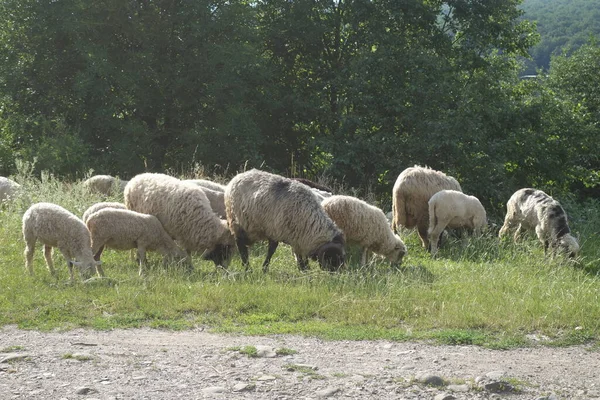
(477,291)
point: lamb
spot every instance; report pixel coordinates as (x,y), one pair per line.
(55,226)
(216,199)
(410,196)
(261,205)
(125,229)
(453,209)
(205,183)
(8,189)
(184,211)
(365,225)
(99,206)
(105,184)
(533,209)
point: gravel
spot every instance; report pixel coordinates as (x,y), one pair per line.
(157,364)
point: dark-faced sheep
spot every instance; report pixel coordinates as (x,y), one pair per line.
(264,206)
(410,198)
(185,212)
(532,209)
(453,209)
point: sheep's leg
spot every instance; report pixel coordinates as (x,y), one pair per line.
(270,251)
(517,233)
(435,237)
(423,235)
(363,256)
(141,251)
(48,256)
(29,250)
(97,252)
(505,227)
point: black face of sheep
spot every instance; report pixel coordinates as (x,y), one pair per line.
(331,256)
(221,255)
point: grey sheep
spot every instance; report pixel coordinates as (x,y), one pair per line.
(366,226)
(125,229)
(532,209)
(105,185)
(453,209)
(410,196)
(55,226)
(184,211)
(216,199)
(264,206)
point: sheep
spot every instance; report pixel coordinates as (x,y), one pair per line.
(205,183)
(125,229)
(412,191)
(99,206)
(533,209)
(365,225)
(8,189)
(55,226)
(105,184)
(261,205)
(314,185)
(453,209)
(216,199)
(184,211)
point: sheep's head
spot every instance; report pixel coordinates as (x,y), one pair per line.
(220,255)
(86,267)
(398,252)
(331,255)
(568,245)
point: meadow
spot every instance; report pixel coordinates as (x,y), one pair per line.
(479,291)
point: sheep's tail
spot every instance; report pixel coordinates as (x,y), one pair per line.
(432,216)
(398,212)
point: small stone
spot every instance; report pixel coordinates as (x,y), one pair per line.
(266,378)
(328,392)
(265,352)
(307,366)
(458,388)
(241,387)
(430,379)
(85,390)
(213,390)
(13,357)
(498,387)
(444,396)
(495,375)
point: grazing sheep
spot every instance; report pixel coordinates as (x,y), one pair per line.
(262,206)
(105,184)
(56,227)
(185,213)
(205,183)
(365,225)
(216,199)
(8,188)
(320,194)
(99,206)
(125,229)
(314,185)
(410,196)
(453,209)
(533,209)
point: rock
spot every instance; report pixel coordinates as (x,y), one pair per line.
(430,379)
(213,390)
(266,378)
(243,387)
(458,388)
(265,352)
(13,357)
(444,396)
(85,390)
(495,375)
(327,392)
(498,387)
(549,397)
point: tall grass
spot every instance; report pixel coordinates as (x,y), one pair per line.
(478,290)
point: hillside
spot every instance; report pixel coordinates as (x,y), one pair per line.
(562,24)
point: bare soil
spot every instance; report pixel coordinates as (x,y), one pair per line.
(156,364)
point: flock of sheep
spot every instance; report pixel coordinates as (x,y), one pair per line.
(178,218)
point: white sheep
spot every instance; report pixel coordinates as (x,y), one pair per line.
(55,226)
(99,206)
(264,206)
(410,196)
(8,188)
(105,184)
(125,229)
(216,199)
(532,209)
(205,183)
(184,211)
(366,226)
(453,209)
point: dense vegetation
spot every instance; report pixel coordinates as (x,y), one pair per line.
(356,90)
(564,25)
